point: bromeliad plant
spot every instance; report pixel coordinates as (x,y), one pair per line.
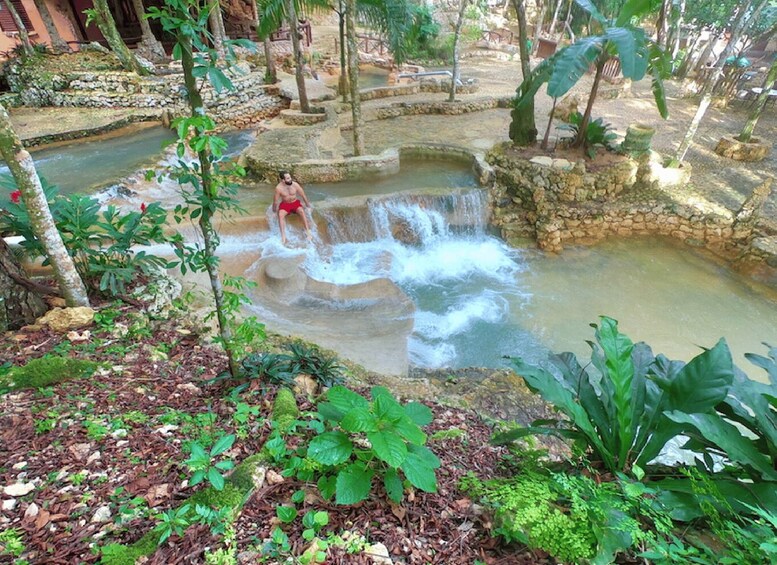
(373,438)
(597,133)
(626,403)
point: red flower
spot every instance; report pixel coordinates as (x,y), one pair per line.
(15,196)
(143,208)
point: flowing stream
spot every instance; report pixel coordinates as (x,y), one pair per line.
(478,299)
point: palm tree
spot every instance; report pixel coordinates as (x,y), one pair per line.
(42,223)
(638,56)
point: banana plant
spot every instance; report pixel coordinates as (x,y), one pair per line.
(638,54)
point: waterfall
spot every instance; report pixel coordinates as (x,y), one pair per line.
(436,248)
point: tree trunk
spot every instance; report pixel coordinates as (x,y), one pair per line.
(217,30)
(538,27)
(690,59)
(456,38)
(42,224)
(24,38)
(271,76)
(291,15)
(582,138)
(545,139)
(58,45)
(523,129)
(705,54)
(343,84)
(210,192)
(150,44)
(353,77)
(555,19)
(760,103)
(19,305)
(663,20)
(677,27)
(105,22)
(739,26)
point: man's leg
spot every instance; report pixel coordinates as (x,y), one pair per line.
(282,224)
(301,212)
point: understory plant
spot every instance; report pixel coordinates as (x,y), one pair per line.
(596,133)
(101,242)
(356,441)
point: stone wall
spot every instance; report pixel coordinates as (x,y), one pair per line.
(249,102)
(397,109)
(558,203)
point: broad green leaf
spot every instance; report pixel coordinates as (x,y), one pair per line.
(286,514)
(426,455)
(358,420)
(704,381)
(388,446)
(552,391)
(393,485)
(727,437)
(353,484)
(573,64)
(419,473)
(222,444)
(632,50)
(344,399)
(410,431)
(330,448)
(589,7)
(215,478)
(219,80)
(327,486)
(617,349)
(633,8)
(386,406)
(418,413)
(197,477)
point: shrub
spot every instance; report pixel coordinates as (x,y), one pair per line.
(101,243)
(597,133)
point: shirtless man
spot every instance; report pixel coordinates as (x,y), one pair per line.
(288,193)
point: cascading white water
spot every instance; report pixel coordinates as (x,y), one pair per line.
(437,250)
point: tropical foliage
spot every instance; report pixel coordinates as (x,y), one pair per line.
(638,56)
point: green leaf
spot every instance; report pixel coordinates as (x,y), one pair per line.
(327,486)
(393,485)
(330,448)
(358,420)
(197,477)
(222,444)
(410,431)
(632,50)
(633,8)
(353,484)
(617,349)
(286,514)
(388,446)
(573,64)
(418,413)
(386,406)
(215,478)
(419,473)
(727,437)
(589,7)
(219,80)
(344,399)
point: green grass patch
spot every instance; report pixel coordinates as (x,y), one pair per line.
(46,371)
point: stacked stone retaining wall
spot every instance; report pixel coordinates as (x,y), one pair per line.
(249,102)
(398,109)
(558,203)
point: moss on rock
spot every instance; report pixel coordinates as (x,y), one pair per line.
(46,371)
(284,409)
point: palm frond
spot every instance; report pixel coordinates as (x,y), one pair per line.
(576,60)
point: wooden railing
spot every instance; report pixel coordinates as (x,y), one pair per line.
(371,44)
(284,35)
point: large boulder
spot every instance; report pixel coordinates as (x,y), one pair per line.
(63,320)
(754,150)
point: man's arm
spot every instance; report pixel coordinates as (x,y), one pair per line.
(275,200)
(303,195)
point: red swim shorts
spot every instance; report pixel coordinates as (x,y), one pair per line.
(290,207)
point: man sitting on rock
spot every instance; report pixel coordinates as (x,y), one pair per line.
(288,193)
